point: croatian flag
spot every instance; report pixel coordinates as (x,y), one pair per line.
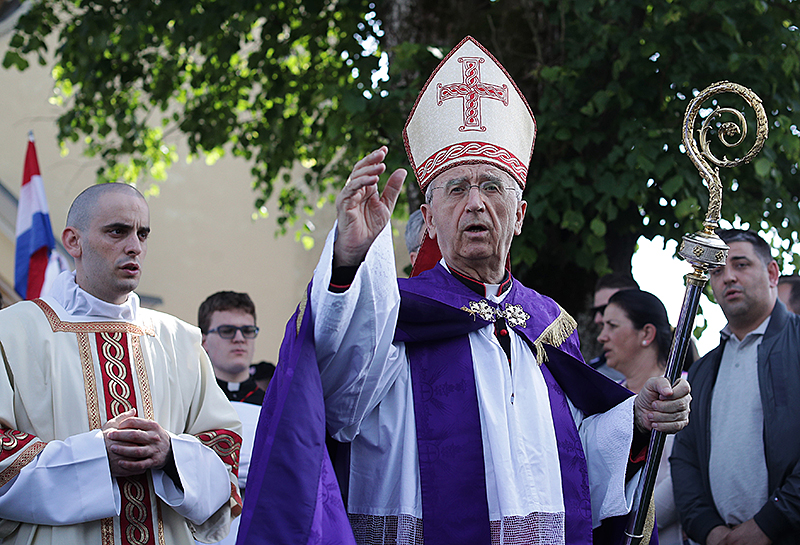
(36,264)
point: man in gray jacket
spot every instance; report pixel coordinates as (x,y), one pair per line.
(735,466)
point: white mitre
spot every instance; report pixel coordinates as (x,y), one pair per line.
(470,111)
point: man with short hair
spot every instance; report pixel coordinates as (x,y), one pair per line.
(227,320)
(736,466)
(460,393)
(415,229)
(605,287)
(113,428)
(789,292)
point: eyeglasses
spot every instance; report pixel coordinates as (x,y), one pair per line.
(456,190)
(599,308)
(229,331)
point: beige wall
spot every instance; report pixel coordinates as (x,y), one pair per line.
(203,238)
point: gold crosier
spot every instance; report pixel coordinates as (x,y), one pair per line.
(704,250)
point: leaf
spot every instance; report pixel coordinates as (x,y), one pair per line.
(672,185)
(762,166)
(572,220)
(12,58)
(563,134)
(598,227)
(687,208)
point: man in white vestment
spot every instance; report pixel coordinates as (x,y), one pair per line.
(113,428)
(468,414)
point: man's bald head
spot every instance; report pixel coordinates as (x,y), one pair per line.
(106,234)
(81,211)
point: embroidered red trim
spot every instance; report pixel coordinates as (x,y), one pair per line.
(483,152)
(226,444)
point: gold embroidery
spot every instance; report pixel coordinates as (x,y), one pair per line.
(90,327)
(22,460)
(89,381)
(481,309)
(301,310)
(160,524)
(9,439)
(515,315)
(222,444)
(136,512)
(138,520)
(139,366)
(117,372)
(555,334)
(235,501)
(107,531)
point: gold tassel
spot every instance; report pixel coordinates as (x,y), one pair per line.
(301,309)
(555,334)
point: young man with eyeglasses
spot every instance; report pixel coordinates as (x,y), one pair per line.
(227,320)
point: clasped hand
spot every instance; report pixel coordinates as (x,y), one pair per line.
(659,406)
(135,445)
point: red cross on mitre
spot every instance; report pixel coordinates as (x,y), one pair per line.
(472,90)
(496,126)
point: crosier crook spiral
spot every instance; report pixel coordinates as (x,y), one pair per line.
(704,250)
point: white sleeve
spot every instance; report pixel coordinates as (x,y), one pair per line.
(204,478)
(607,439)
(68,482)
(248,414)
(353,332)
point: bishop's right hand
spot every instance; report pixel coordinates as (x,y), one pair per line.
(362,213)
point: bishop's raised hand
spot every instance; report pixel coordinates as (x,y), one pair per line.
(361,211)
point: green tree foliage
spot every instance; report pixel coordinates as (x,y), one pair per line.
(273,82)
(285,82)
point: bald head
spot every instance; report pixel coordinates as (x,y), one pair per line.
(106,234)
(83,207)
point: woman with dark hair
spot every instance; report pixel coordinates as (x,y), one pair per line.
(636,339)
(636,336)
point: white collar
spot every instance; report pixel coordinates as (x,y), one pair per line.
(78,302)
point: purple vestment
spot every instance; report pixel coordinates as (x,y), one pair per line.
(434,324)
(292,496)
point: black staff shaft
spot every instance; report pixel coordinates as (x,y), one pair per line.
(695,282)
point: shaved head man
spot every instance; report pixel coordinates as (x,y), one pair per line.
(119,429)
(106,234)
